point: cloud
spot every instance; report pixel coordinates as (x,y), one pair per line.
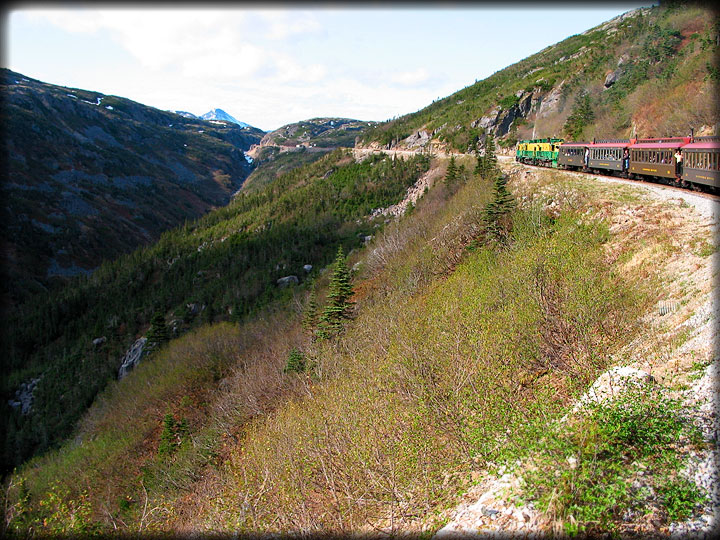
(254,64)
(411,78)
(283,25)
(201,43)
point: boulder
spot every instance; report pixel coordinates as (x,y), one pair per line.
(551,103)
(419,138)
(99,341)
(611,78)
(132,357)
(308,267)
(287,281)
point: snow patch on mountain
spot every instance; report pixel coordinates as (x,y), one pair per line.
(219,114)
(185,114)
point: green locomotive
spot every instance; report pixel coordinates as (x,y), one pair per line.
(538,151)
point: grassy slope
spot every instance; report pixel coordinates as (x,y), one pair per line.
(426,381)
(213,483)
(228,262)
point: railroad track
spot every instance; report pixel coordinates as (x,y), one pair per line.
(639,182)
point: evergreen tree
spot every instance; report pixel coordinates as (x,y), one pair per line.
(497,211)
(339,304)
(158,332)
(480,165)
(168,437)
(310,313)
(582,114)
(451,173)
(487,164)
(173,434)
(295,362)
(491,162)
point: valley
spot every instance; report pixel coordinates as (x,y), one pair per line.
(345,326)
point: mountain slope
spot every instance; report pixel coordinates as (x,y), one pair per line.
(224,266)
(220,115)
(650,72)
(298,143)
(462,347)
(459,352)
(91,176)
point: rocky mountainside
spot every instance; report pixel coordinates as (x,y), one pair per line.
(303,142)
(315,133)
(650,72)
(91,176)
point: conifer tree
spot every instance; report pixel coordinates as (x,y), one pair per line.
(582,114)
(480,165)
(339,304)
(498,210)
(310,313)
(491,162)
(158,332)
(295,362)
(168,439)
(173,434)
(451,173)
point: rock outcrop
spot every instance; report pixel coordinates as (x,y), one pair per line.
(24,396)
(287,281)
(132,357)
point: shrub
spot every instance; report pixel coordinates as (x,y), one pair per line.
(295,362)
(607,443)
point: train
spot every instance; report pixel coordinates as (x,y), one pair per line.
(689,162)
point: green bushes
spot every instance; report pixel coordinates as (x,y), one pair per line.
(228,260)
(615,457)
(173,435)
(432,377)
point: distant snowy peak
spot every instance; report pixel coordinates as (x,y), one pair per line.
(185,114)
(219,114)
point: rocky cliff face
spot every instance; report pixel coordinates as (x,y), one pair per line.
(91,176)
(321,133)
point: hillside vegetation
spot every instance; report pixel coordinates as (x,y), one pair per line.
(419,352)
(461,344)
(222,266)
(650,73)
(299,143)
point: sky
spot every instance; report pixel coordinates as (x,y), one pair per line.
(274,64)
